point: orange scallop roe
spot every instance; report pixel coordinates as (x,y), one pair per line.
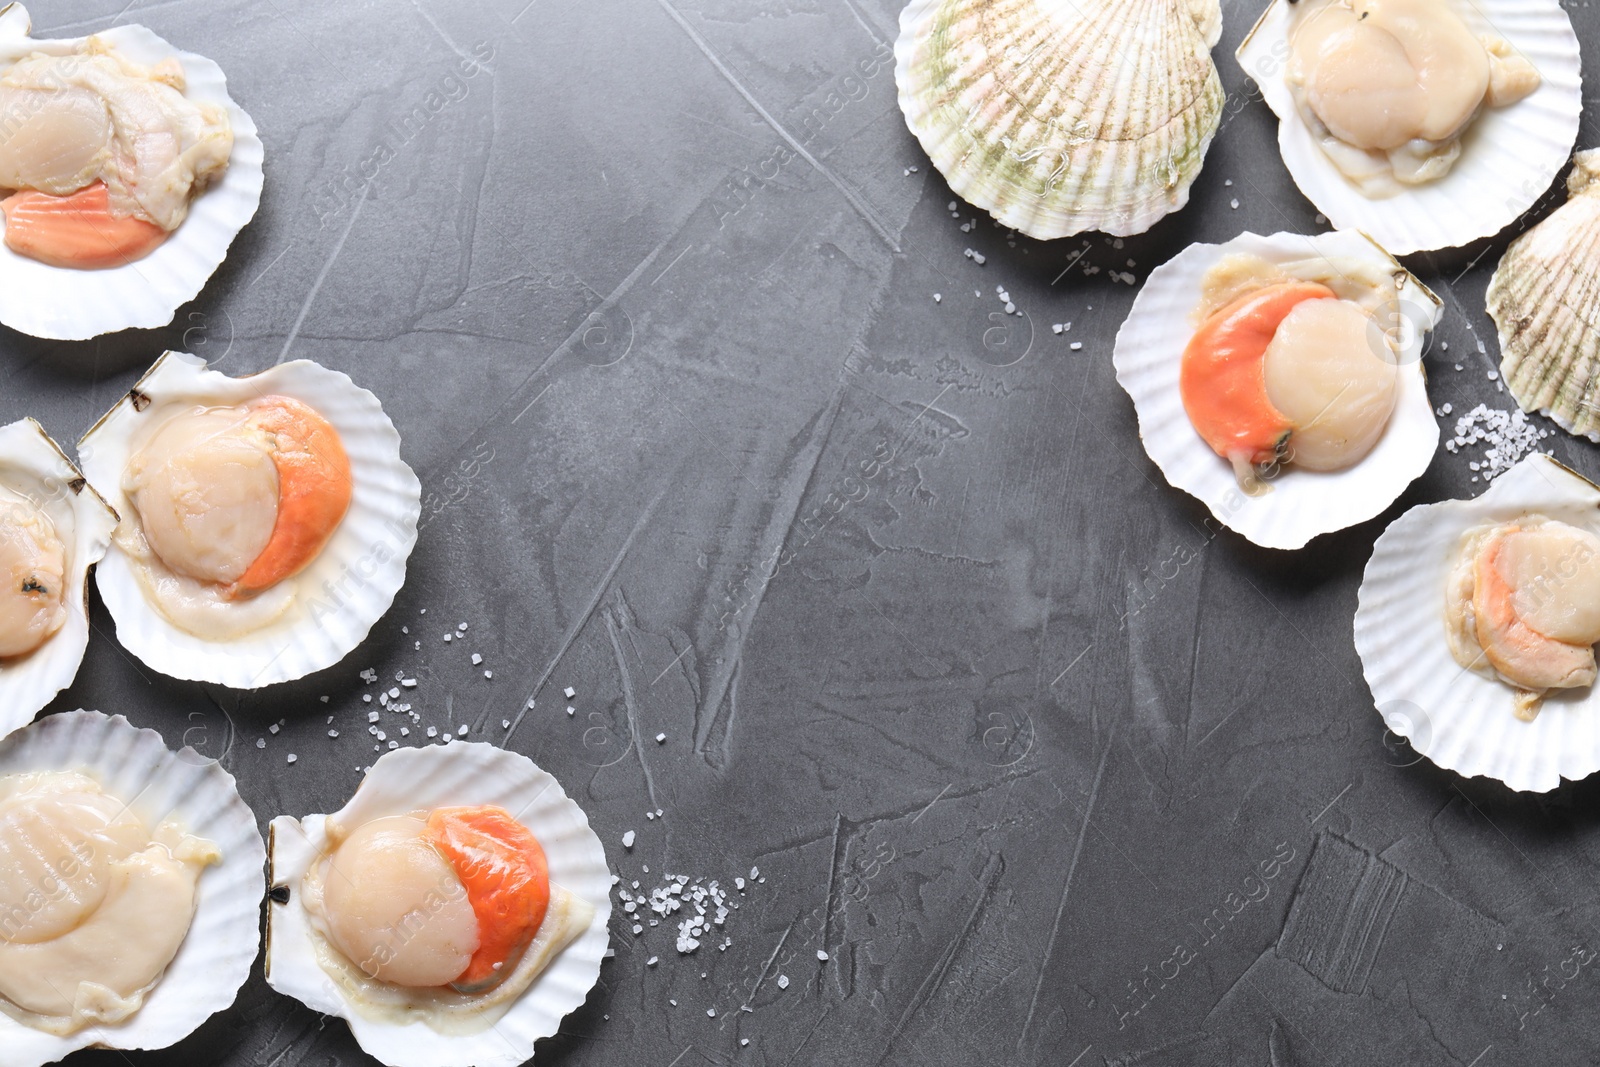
(503,868)
(314,489)
(1223,379)
(77,230)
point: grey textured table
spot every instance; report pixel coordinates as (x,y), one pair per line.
(1053,774)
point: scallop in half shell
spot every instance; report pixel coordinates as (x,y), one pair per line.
(310,480)
(1302,503)
(302,963)
(133,766)
(53,528)
(1461,718)
(1059,116)
(1545,300)
(67,304)
(1509,155)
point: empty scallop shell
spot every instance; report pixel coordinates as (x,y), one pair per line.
(1545,299)
(343,592)
(224,937)
(1302,503)
(1509,156)
(1059,116)
(412,779)
(33,466)
(1458,718)
(64,304)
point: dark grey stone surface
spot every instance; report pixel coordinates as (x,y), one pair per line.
(651,301)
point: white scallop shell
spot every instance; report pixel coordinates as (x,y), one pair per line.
(412,779)
(1457,718)
(1059,116)
(224,938)
(1508,159)
(1545,302)
(1302,503)
(344,591)
(33,466)
(65,304)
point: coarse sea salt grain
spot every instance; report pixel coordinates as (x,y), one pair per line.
(1505,437)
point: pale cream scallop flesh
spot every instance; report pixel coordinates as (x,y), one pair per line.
(394,906)
(1390,87)
(206,489)
(1323,372)
(94,115)
(94,904)
(1311,387)
(1523,605)
(33,567)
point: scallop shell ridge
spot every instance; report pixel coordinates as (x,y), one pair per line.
(1545,301)
(1060,116)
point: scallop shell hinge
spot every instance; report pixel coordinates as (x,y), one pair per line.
(1060,116)
(1545,301)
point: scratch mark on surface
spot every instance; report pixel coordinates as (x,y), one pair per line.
(532,402)
(1066,886)
(1080,1056)
(890,815)
(322,276)
(834,860)
(930,985)
(461,53)
(793,487)
(799,149)
(269,266)
(805,1040)
(931,803)
(630,703)
(674,263)
(1221,723)
(1479,1056)
(1331,803)
(675,661)
(594,602)
(1073,664)
(766,968)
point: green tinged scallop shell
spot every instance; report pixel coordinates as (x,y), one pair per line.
(1545,300)
(1060,116)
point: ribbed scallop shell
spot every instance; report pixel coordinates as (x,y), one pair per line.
(1457,718)
(65,304)
(342,593)
(33,466)
(1545,300)
(224,938)
(412,779)
(1509,156)
(1303,503)
(1059,116)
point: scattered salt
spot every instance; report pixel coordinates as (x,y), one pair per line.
(1505,437)
(627,841)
